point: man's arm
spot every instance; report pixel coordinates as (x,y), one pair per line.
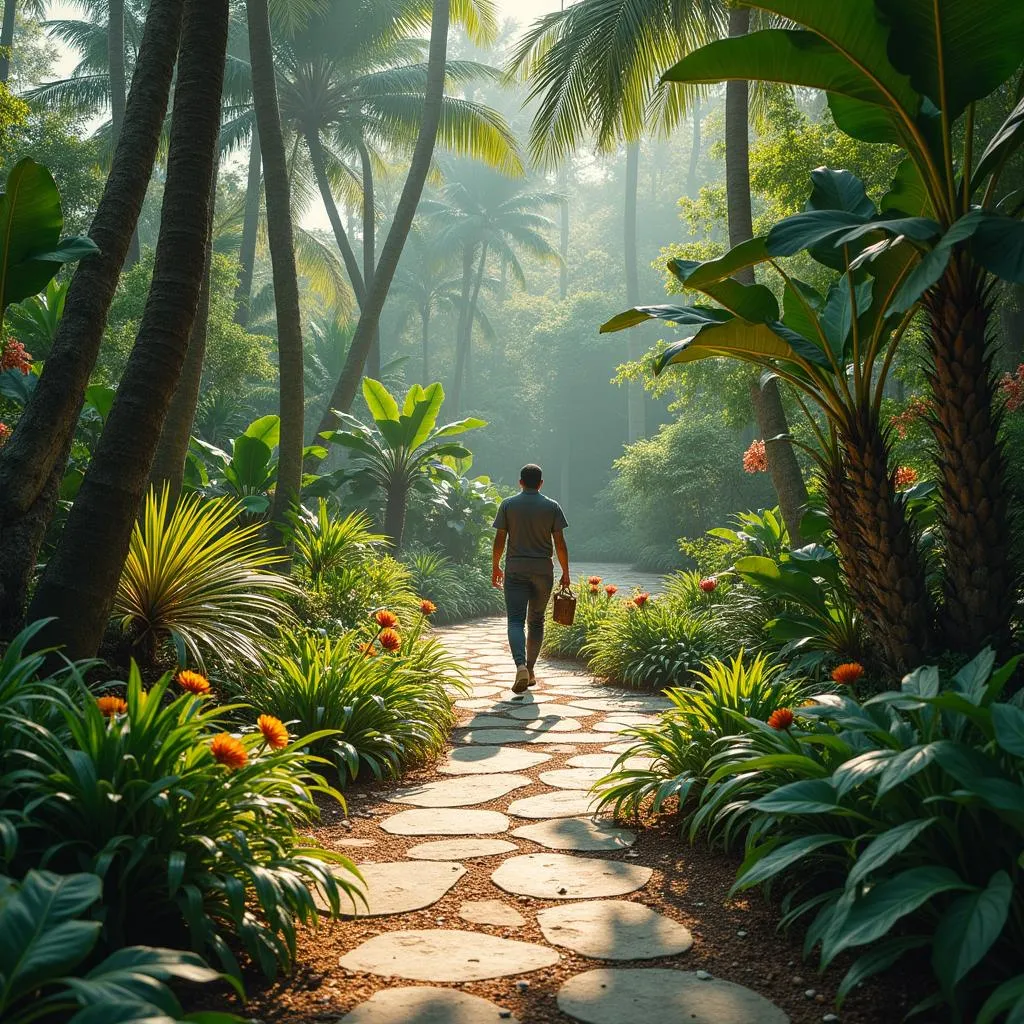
(497,576)
(563,557)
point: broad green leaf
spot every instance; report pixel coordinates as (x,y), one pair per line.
(883,848)
(837,318)
(816,230)
(1008,997)
(808,796)
(808,349)
(417,425)
(101,398)
(379,401)
(908,193)
(801,305)
(1008,720)
(998,245)
(459,427)
(681,316)
(883,956)
(922,682)
(969,928)
(739,257)
(921,229)
(250,461)
(972,679)
(954,51)
(1002,145)
(752,302)
(839,190)
(266,429)
(412,396)
(783,857)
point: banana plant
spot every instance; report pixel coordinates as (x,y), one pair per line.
(910,73)
(403,451)
(835,351)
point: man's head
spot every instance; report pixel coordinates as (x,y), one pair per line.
(531,477)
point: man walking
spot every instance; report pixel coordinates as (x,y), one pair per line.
(531,523)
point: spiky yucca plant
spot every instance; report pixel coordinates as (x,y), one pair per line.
(326,543)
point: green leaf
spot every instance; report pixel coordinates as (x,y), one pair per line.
(1008,720)
(972,679)
(838,316)
(747,254)
(250,460)
(816,230)
(101,398)
(419,422)
(905,765)
(1006,141)
(923,682)
(379,401)
(801,304)
(459,427)
(681,316)
(883,848)
(997,243)
(969,929)
(839,190)
(883,956)
(808,796)
(266,429)
(752,302)
(908,192)
(1009,996)
(781,858)
(921,229)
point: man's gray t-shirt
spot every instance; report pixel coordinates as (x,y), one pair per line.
(530,518)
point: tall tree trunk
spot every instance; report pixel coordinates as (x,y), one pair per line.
(473,304)
(461,355)
(282,258)
(250,230)
(370,249)
(172,451)
(425,320)
(394,518)
(771,416)
(118,93)
(695,144)
(7,39)
(980,582)
(81,579)
(377,292)
(635,405)
(563,235)
(32,462)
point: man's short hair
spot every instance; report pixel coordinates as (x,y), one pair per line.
(531,475)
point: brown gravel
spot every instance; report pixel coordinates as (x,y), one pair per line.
(689,884)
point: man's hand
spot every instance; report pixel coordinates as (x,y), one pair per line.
(565,581)
(497,577)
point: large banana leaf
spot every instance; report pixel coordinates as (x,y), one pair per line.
(753,302)
(418,422)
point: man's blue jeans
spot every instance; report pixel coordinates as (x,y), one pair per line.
(526,600)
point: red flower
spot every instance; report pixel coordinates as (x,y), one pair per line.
(594,588)
(110,706)
(755,458)
(611,590)
(427,607)
(917,408)
(14,357)
(390,640)
(386,619)
(5,433)
(193,682)
(781,719)
(274,732)
(906,476)
(708,584)
(1012,387)
(848,673)
(229,751)
(641,599)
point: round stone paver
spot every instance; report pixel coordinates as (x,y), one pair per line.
(657,995)
(607,762)
(634,704)
(502,736)
(460,849)
(562,803)
(492,912)
(532,712)
(445,822)
(426,1005)
(613,930)
(557,876)
(545,723)
(472,789)
(572,778)
(483,760)
(399,887)
(577,834)
(442,954)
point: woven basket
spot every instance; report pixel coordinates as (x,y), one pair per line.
(564,609)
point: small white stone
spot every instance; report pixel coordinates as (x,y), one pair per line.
(702,975)
(741,934)
(810,993)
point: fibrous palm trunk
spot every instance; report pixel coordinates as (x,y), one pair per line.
(370,249)
(280,238)
(345,391)
(7,38)
(394,517)
(634,389)
(81,579)
(118,93)
(32,462)
(250,230)
(980,581)
(465,312)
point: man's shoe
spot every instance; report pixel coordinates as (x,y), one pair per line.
(522,679)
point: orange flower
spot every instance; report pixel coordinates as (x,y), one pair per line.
(386,619)
(709,584)
(594,581)
(595,588)
(611,590)
(367,649)
(193,682)
(273,731)
(630,604)
(906,476)
(390,640)
(755,458)
(641,599)
(228,751)
(427,607)
(781,719)
(111,706)
(847,674)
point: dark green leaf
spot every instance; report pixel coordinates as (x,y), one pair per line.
(781,858)
(839,190)
(808,796)
(1006,141)
(883,956)
(969,928)
(883,848)
(1008,720)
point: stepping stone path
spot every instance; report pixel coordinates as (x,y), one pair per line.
(458,871)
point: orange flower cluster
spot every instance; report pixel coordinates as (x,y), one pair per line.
(594,581)
(274,732)
(390,640)
(386,619)
(5,433)
(906,476)
(229,751)
(367,649)
(781,719)
(917,408)
(848,673)
(110,706)
(755,458)
(595,588)
(708,584)
(641,599)
(611,590)
(427,607)
(193,682)
(14,357)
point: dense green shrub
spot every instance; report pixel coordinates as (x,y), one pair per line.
(593,606)
(460,592)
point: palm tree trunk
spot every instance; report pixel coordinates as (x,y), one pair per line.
(634,389)
(377,293)
(563,235)
(425,320)
(32,462)
(171,452)
(370,249)
(695,143)
(118,93)
(980,582)
(468,254)
(7,39)
(282,258)
(473,303)
(771,416)
(250,229)
(81,579)
(394,517)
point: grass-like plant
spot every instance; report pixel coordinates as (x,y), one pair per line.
(325,544)
(197,579)
(460,591)
(593,606)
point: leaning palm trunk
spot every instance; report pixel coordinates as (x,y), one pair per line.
(250,229)
(81,579)
(369,248)
(32,462)
(980,586)
(282,257)
(118,92)
(345,390)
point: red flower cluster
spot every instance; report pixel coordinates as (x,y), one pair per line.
(781,719)
(1012,387)
(386,619)
(594,581)
(427,607)
(611,590)
(595,588)
(848,673)
(906,476)
(390,640)
(641,599)
(917,408)
(755,458)
(14,357)
(5,433)
(708,585)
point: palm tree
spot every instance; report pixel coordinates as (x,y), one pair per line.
(485,213)
(35,8)
(81,579)
(32,462)
(595,68)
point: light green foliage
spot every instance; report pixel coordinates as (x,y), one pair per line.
(325,543)
(460,591)
(592,608)
(178,838)
(14,114)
